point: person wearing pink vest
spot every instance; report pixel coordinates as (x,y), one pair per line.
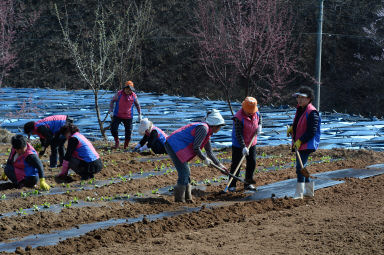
(185,143)
(48,131)
(305,132)
(153,138)
(246,123)
(24,167)
(121,107)
(81,156)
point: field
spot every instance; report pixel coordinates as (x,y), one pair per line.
(133,194)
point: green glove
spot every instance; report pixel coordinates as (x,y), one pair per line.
(44,185)
(297,144)
(289,131)
(4,177)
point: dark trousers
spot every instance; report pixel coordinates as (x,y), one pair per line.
(28,181)
(84,169)
(57,147)
(127,125)
(304,158)
(237,154)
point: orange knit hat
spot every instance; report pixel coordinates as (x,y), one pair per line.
(129,84)
(250,105)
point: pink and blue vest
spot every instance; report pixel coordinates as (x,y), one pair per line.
(22,168)
(301,128)
(250,126)
(53,123)
(84,150)
(181,141)
(124,105)
(161,136)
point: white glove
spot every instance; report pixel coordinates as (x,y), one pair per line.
(259,129)
(207,161)
(245,151)
(144,148)
(137,147)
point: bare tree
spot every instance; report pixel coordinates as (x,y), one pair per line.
(13,20)
(253,38)
(97,49)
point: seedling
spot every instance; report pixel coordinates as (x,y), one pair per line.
(127,196)
(263,154)
(138,194)
(130,173)
(198,161)
(46,205)
(141,171)
(194,183)
(21,212)
(3,196)
(122,178)
(90,199)
(206,181)
(36,192)
(155,191)
(68,186)
(36,208)
(215,180)
(75,200)
(68,205)
(23,194)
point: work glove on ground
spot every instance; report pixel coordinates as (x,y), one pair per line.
(259,129)
(144,148)
(4,177)
(297,144)
(44,185)
(207,161)
(245,151)
(289,131)
(64,169)
(137,147)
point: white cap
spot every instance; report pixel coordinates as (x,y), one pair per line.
(214,118)
(145,124)
(299,94)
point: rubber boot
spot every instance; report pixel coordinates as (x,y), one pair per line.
(179,193)
(309,189)
(299,191)
(117,142)
(126,143)
(188,194)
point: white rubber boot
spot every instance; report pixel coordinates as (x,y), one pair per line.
(309,189)
(299,191)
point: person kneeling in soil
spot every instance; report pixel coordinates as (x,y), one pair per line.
(81,156)
(305,133)
(154,138)
(185,143)
(24,168)
(123,112)
(48,129)
(247,123)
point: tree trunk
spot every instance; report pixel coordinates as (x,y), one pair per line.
(101,123)
(244,83)
(228,100)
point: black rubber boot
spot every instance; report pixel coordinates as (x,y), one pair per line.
(179,193)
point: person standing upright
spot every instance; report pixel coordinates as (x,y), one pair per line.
(305,132)
(246,124)
(122,108)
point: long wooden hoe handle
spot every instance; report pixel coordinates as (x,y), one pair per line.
(241,161)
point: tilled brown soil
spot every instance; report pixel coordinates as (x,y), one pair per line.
(119,162)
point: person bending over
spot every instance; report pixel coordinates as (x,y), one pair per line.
(153,138)
(48,131)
